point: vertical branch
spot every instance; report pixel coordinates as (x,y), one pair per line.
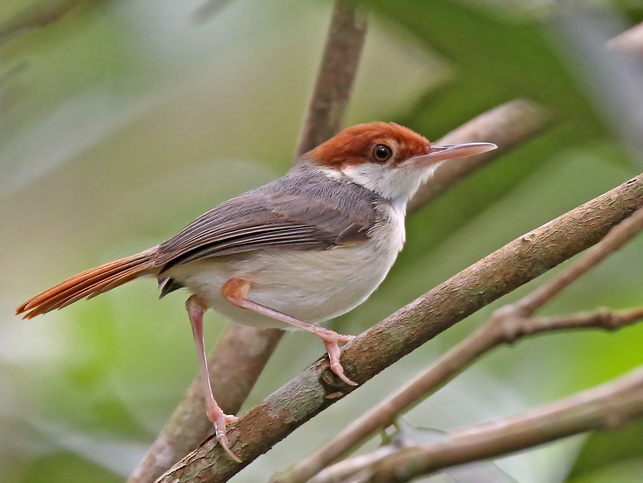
(241,353)
(336,75)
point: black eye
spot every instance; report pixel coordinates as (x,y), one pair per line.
(382,153)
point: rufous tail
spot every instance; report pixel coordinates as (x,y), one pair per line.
(88,284)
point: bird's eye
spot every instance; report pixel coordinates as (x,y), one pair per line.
(382,153)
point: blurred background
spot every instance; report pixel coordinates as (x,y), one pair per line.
(121,121)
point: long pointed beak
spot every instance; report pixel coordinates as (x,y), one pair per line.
(451,151)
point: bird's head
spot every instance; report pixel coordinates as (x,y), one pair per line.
(387,158)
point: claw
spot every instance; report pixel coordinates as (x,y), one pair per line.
(221,420)
(334,353)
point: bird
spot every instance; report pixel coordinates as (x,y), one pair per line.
(295,252)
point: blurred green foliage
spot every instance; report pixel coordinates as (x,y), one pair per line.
(122,121)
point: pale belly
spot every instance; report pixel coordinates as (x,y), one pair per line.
(313,286)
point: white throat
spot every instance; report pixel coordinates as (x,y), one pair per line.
(397,185)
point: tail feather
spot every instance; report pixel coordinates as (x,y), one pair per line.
(88,284)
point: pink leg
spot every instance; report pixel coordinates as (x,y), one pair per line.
(196,309)
(235,290)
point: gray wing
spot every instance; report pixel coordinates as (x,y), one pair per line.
(300,211)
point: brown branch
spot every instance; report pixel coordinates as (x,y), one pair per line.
(508,125)
(315,388)
(455,361)
(335,79)
(600,319)
(240,355)
(605,407)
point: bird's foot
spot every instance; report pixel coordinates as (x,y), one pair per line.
(331,341)
(221,420)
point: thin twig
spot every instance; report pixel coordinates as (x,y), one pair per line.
(240,355)
(599,319)
(454,362)
(316,388)
(605,407)
(349,470)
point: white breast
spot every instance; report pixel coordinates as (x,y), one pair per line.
(310,285)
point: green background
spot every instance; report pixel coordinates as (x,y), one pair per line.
(123,121)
